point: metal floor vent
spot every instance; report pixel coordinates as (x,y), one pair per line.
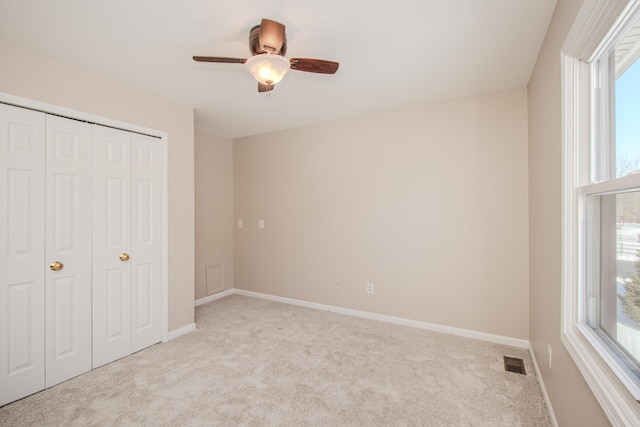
(513,364)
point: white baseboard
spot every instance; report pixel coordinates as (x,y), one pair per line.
(181,331)
(545,395)
(498,339)
(214,297)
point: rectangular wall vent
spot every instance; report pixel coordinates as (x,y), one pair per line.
(215,278)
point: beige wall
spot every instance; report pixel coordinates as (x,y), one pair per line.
(39,78)
(572,401)
(214,207)
(428,203)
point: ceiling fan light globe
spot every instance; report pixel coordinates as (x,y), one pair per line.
(267,68)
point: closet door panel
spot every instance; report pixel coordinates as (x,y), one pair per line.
(111,244)
(22,260)
(146,241)
(68,241)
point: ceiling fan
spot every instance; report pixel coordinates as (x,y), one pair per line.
(268,45)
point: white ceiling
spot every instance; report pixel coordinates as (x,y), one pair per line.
(392,54)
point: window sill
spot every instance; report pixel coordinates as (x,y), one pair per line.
(615,398)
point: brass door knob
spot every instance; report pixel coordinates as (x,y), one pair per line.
(56,265)
(124,256)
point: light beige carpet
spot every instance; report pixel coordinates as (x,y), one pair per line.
(253,362)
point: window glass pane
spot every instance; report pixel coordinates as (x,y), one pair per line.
(620,271)
(627,103)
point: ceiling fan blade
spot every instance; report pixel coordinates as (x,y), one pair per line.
(272,36)
(265,88)
(219,59)
(314,65)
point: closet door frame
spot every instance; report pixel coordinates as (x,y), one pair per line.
(162,138)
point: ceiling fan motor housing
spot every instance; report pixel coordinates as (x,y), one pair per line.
(254,43)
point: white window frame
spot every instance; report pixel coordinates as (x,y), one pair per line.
(598,22)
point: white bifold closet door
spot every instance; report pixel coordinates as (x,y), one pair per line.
(67,241)
(22,157)
(45,217)
(80,248)
(126,243)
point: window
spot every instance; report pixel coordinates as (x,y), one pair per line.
(611,199)
(601,196)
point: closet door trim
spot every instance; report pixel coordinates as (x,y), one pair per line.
(162,137)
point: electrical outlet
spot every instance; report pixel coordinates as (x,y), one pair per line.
(549,354)
(370,288)
(240,224)
(338,286)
